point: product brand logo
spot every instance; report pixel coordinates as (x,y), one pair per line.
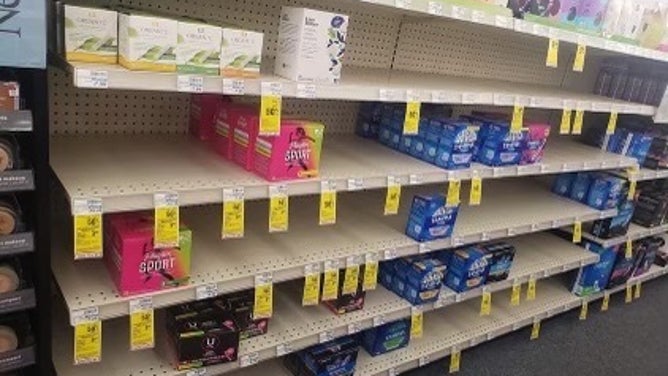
(157,263)
(310,21)
(298,151)
(8,10)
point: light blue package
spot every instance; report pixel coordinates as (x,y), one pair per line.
(430,218)
(563,183)
(594,278)
(23,34)
(501,147)
(605,191)
(580,187)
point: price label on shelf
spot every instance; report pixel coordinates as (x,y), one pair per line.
(577,232)
(389,95)
(379,320)
(535,330)
(454,188)
(515,294)
(475,195)
(141,324)
(455,360)
(486,303)
(270,108)
(435,8)
(327,203)
(233,213)
(416,322)
(577,122)
(628,249)
(234,86)
(92,79)
(311,295)
(263,307)
(636,294)
(87,228)
(354,328)
(249,360)
(196,372)
(325,336)
(606,301)
(283,349)
(612,123)
(88,342)
(470,98)
(584,310)
(629,293)
(518,119)
(355,184)
(565,125)
(306,91)
(552,58)
(279,205)
(393,196)
(402,3)
(330,288)
(351,276)
(189,84)
(531,288)
(207,291)
(166,219)
(579,61)
(370,279)
(412,116)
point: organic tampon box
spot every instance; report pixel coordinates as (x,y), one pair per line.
(90,34)
(311,45)
(198,48)
(240,53)
(146,42)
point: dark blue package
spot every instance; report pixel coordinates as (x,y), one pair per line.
(430,218)
(501,255)
(366,128)
(395,139)
(429,154)
(385,136)
(423,281)
(563,183)
(580,187)
(594,278)
(501,147)
(417,147)
(622,269)
(457,145)
(468,269)
(406,143)
(388,337)
(648,249)
(605,191)
(615,226)
(335,358)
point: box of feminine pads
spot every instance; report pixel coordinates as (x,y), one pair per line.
(293,154)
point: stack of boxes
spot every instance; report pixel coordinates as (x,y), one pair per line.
(598,190)
(334,358)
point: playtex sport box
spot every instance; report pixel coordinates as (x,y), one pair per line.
(134,264)
(430,218)
(388,337)
(334,358)
(294,154)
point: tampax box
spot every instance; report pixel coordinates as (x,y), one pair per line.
(311,44)
(605,191)
(468,269)
(203,109)
(536,139)
(198,48)
(245,122)
(501,147)
(293,154)
(423,280)
(146,42)
(430,218)
(90,34)
(134,264)
(240,53)
(501,255)
(456,145)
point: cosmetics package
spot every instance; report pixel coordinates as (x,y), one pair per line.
(12,275)
(11,215)
(9,96)
(15,334)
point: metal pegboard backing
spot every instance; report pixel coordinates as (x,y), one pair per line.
(459,49)
(371,34)
(81,111)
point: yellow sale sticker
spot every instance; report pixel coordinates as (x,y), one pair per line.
(565,125)
(311,294)
(577,232)
(88,342)
(416,322)
(518,119)
(584,310)
(579,61)
(455,360)
(330,288)
(552,58)
(264,297)
(141,330)
(531,289)
(270,109)
(475,196)
(535,330)
(412,118)
(87,236)
(351,279)
(327,204)
(454,187)
(577,122)
(393,196)
(612,123)
(486,303)
(279,206)
(370,273)
(515,294)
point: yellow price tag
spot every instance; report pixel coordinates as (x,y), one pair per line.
(475,196)
(233,213)
(351,277)
(263,307)
(565,125)
(327,203)
(416,322)
(518,119)
(412,118)
(141,324)
(577,122)
(279,208)
(486,303)
(370,273)
(636,295)
(606,302)
(515,294)
(454,187)
(633,184)
(455,360)
(577,232)
(393,196)
(88,342)
(535,330)
(629,294)
(330,288)
(552,58)
(311,294)
(166,219)
(579,61)
(612,123)
(531,289)
(584,310)
(87,236)
(628,249)
(270,108)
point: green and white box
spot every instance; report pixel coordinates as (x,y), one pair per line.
(90,34)
(198,48)
(241,53)
(146,42)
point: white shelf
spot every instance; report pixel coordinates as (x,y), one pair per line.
(635,232)
(525,27)
(654,272)
(509,208)
(366,84)
(298,327)
(125,171)
(646,174)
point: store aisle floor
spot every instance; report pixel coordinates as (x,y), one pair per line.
(628,340)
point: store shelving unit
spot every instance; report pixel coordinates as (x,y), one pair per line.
(635,232)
